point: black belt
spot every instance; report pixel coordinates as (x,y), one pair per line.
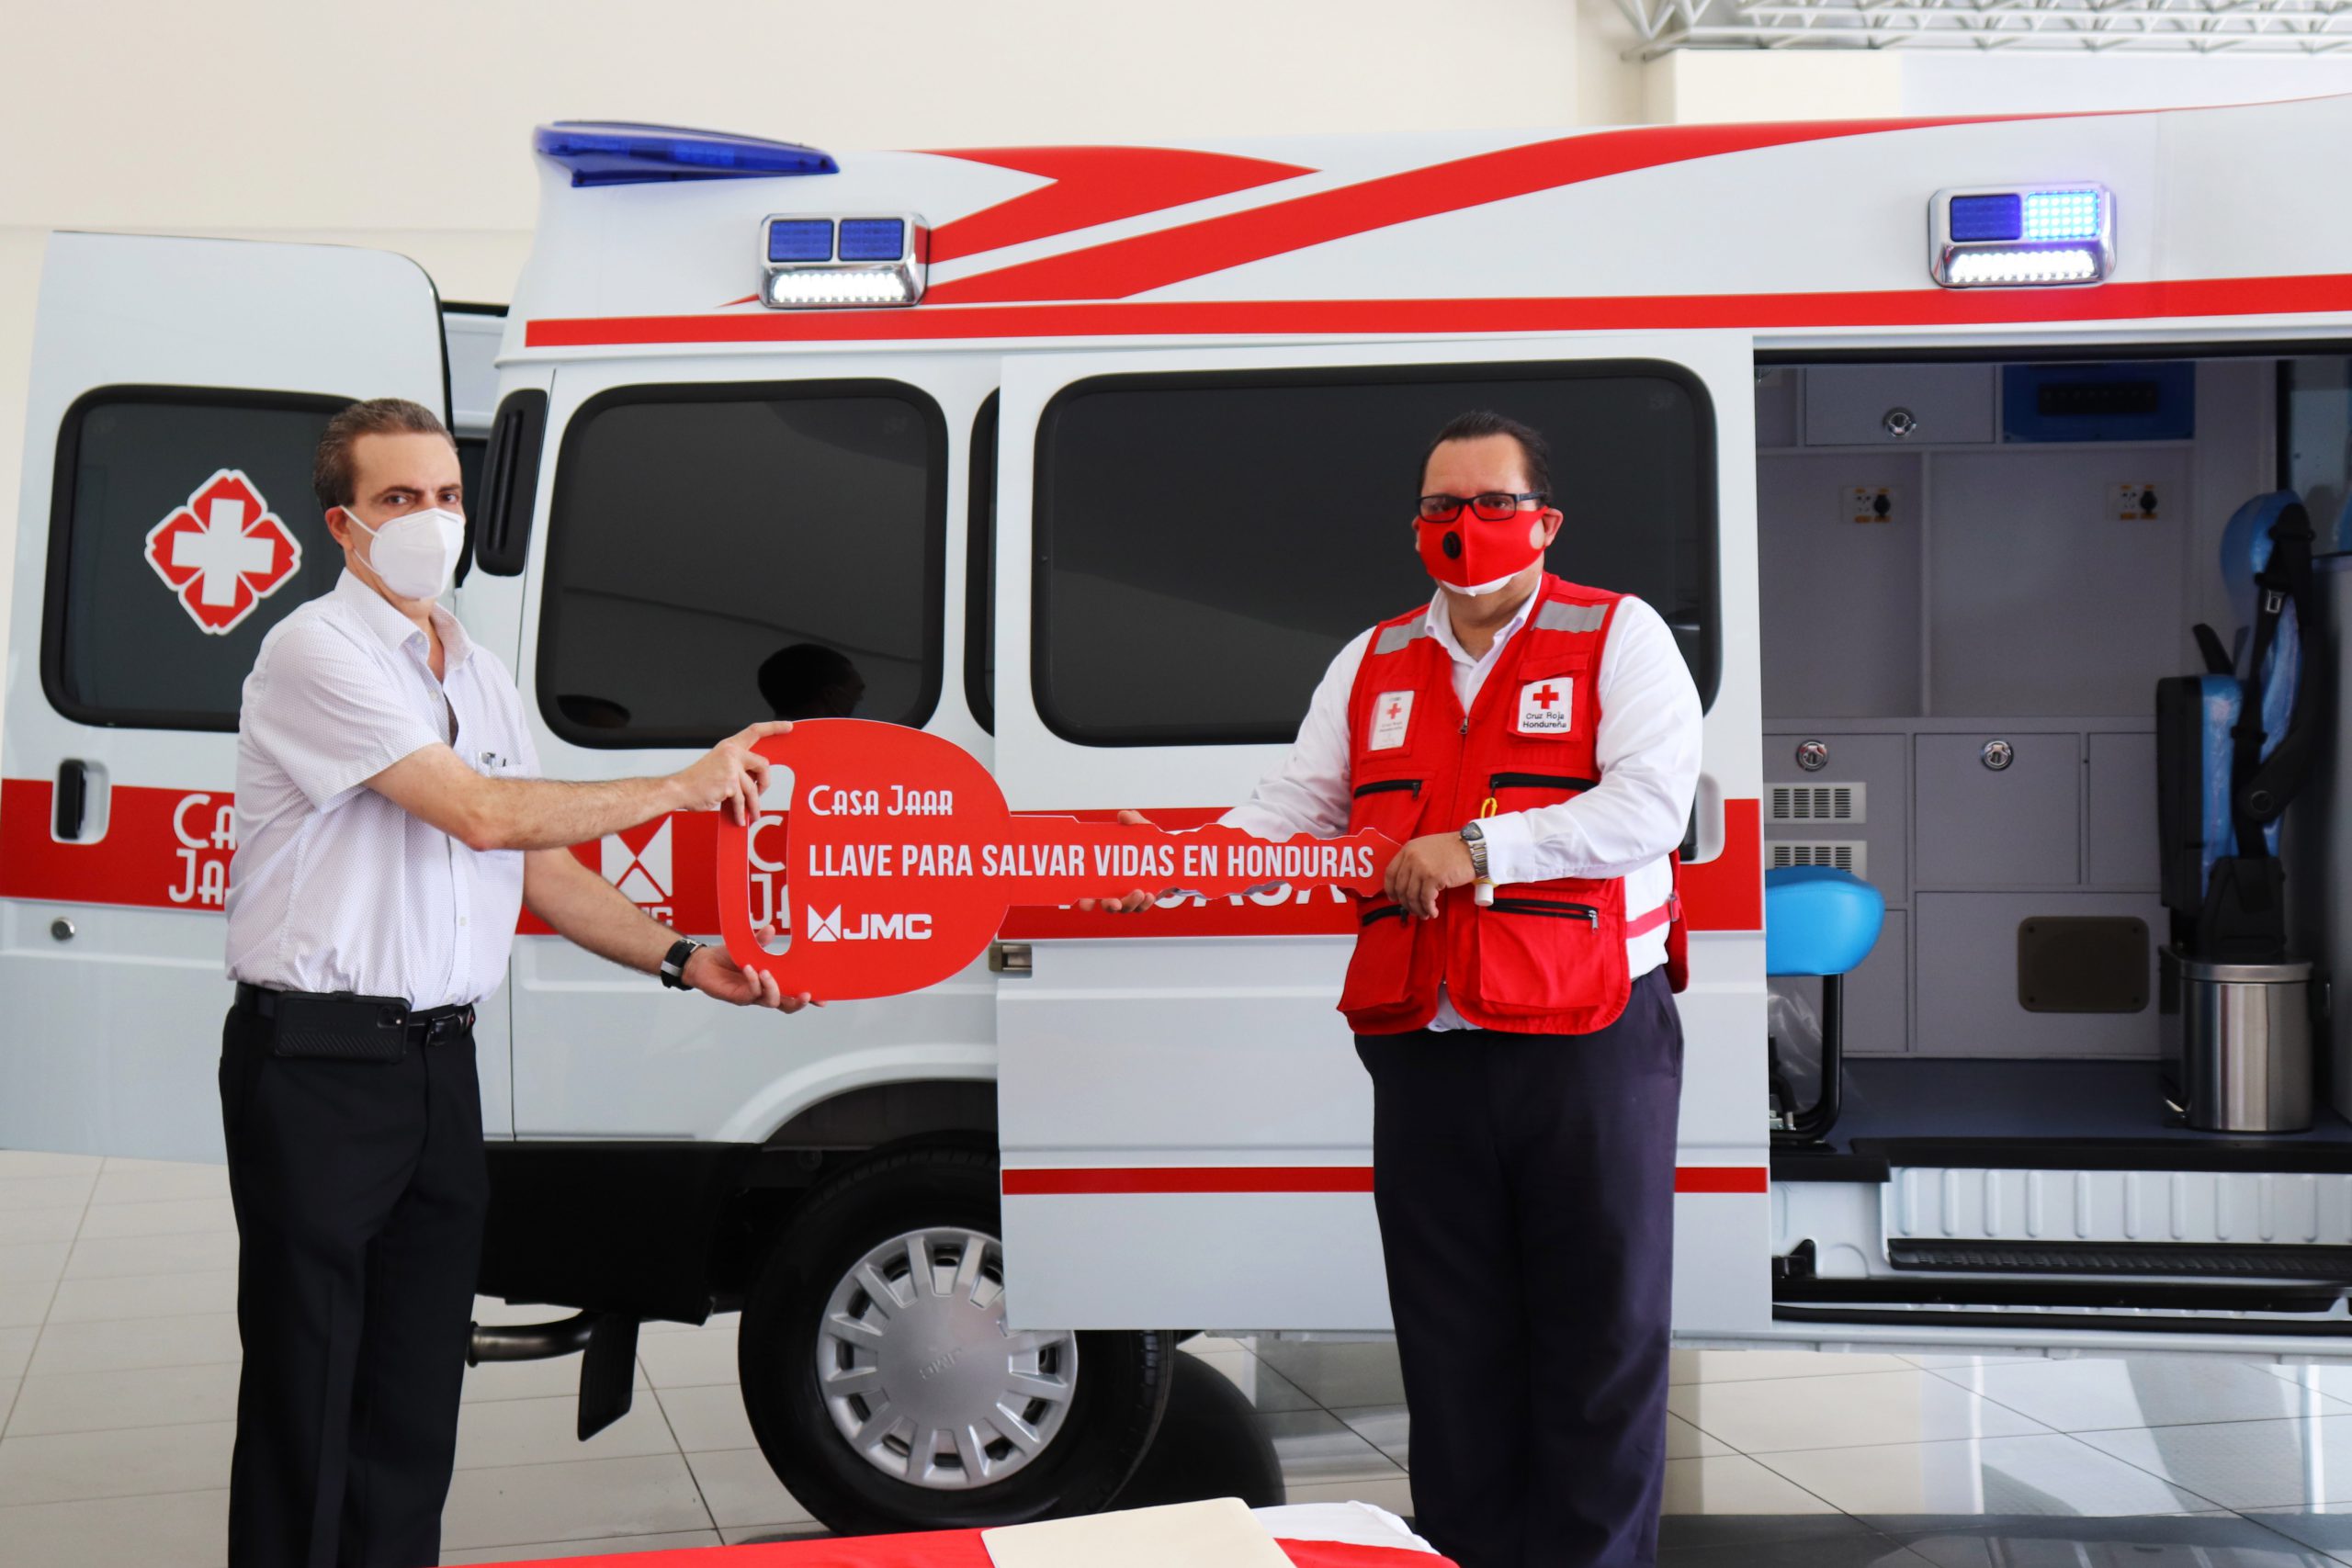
(424,1027)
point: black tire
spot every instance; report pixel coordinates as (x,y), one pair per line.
(1120,1393)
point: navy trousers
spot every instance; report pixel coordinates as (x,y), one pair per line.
(1525,1187)
(360,1189)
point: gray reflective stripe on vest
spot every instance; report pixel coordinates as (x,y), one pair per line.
(1395,639)
(1556,616)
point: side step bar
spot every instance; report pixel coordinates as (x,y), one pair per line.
(2080,1294)
(2231,1260)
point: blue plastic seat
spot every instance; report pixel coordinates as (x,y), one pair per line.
(1818,920)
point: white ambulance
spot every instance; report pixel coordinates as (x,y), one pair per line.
(1922,436)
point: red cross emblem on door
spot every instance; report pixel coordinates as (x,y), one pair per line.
(224,552)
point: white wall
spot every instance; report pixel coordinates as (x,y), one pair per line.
(407,126)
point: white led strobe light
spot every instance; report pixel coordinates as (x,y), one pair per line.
(2021,236)
(815,262)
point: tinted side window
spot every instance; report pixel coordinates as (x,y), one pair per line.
(979,600)
(1207,542)
(181,529)
(720,555)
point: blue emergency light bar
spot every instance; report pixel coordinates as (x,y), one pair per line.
(831,262)
(2030,236)
(623,152)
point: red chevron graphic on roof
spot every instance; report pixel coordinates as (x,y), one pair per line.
(1094,185)
(1117,269)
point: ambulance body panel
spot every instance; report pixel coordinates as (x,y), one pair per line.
(1184,1133)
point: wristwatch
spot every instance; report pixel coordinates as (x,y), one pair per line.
(1475,838)
(673,962)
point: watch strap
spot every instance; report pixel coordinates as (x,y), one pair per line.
(673,962)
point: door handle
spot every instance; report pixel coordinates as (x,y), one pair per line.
(73,798)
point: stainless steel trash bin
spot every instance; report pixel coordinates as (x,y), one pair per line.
(2237,1044)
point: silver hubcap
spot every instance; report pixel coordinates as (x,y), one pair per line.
(921,1377)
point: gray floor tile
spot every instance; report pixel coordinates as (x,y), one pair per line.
(176,1530)
(708,1418)
(1908,1405)
(2245,1464)
(1732,1485)
(1693,1532)
(494,1432)
(23,1305)
(1863,1550)
(144,1295)
(70,1466)
(1348,1375)
(2050,1474)
(531,1380)
(46,1191)
(148,1396)
(149,1181)
(169,1216)
(1685,1441)
(1263,1387)
(9,1388)
(2094,1395)
(1314,1445)
(2206,1540)
(39,1224)
(585,1499)
(1744,1366)
(136,1342)
(16,1350)
(111,1256)
(699,1357)
(16,1165)
(1384,1427)
(33,1262)
(614,1546)
(742,1491)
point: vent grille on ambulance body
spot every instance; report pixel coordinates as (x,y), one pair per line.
(1842,855)
(1818,803)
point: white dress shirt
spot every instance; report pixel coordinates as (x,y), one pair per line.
(1647,749)
(334,887)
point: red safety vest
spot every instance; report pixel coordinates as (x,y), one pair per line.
(1546,957)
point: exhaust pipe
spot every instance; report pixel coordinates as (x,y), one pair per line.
(530,1341)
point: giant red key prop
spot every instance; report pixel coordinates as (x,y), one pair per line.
(902,860)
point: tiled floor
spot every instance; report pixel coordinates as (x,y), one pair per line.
(119,1365)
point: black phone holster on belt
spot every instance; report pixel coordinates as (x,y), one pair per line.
(344,1027)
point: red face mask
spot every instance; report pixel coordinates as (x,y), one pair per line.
(1474,555)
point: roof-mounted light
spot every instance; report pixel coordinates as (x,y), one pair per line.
(622,153)
(828,261)
(2025,236)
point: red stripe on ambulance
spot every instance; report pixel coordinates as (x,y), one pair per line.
(169,849)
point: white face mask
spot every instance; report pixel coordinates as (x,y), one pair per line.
(416,553)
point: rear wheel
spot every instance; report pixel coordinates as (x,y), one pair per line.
(884,1386)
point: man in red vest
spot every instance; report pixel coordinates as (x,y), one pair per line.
(1535,746)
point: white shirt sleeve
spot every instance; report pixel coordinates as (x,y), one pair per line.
(322,710)
(1647,749)
(1309,794)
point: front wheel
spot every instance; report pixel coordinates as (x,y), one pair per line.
(885,1387)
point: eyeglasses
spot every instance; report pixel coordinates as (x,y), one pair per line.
(1493,506)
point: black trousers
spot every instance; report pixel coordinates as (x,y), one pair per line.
(359,1190)
(1525,1186)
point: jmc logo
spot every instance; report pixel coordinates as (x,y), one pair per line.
(870,927)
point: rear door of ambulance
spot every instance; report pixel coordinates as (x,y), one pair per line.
(1186,538)
(178,391)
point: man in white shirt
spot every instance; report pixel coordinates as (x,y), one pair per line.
(391,825)
(1539,741)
